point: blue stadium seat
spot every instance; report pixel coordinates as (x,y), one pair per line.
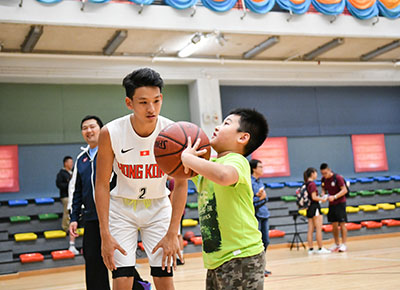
(294,184)
(351,180)
(395,177)
(382,178)
(275,185)
(44,200)
(318,182)
(365,179)
(191,191)
(17,202)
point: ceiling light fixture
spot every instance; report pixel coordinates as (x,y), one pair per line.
(191,47)
(115,41)
(380,50)
(323,48)
(32,38)
(261,47)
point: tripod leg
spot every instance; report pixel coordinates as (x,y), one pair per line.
(302,242)
(293,241)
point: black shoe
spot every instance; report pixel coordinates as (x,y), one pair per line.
(179,262)
(267,273)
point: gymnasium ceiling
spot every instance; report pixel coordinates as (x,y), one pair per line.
(91,41)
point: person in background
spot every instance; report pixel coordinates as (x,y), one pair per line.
(84,174)
(335,186)
(314,212)
(62,180)
(259,200)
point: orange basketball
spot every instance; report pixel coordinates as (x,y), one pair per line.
(170,143)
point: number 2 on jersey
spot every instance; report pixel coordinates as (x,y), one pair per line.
(143,192)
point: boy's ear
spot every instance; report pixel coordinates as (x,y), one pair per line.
(244,138)
(128,103)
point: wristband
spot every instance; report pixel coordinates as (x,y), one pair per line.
(335,197)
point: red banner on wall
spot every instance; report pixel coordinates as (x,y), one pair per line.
(369,152)
(275,158)
(9,181)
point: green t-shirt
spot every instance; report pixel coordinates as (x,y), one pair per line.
(228,225)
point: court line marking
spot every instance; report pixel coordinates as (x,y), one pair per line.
(335,273)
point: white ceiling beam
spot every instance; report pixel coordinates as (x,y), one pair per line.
(126,16)
(72,69)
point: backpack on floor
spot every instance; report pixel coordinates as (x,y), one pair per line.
(303,198)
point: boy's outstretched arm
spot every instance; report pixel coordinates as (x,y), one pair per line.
(222,174)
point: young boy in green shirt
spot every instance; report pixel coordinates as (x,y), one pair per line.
(233,251)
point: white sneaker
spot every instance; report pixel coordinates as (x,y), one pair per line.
(334,248)
(323,251)
(73,250)
(342,248)
(310,252)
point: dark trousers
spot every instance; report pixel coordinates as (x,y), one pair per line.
(263,226)
(95,270)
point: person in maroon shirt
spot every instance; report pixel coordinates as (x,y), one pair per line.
(335,186)
(314,212)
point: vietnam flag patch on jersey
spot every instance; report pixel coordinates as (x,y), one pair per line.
(145,153)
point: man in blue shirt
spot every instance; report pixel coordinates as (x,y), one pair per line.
(259,200)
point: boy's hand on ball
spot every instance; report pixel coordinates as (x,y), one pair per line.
(191,151)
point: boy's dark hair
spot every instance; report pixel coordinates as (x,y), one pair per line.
(308,172)
(255,124)
(143,77)
(89,117)
(323,166)
(254,164)
(66,158)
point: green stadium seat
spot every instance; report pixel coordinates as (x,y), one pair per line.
(366,192)
(31,257)
(20,218)
(289,198)
(55,234)
(192,205)
(22,237)
(353,194)
(396,190)
(48,216)
(384,191)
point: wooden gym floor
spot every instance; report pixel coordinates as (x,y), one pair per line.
(370,263)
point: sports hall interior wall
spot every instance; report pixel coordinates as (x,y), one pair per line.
(319,121)
(44,120)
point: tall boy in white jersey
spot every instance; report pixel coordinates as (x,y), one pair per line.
(140,198)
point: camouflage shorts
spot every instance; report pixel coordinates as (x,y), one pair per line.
(238,274)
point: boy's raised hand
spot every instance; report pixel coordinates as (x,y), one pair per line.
(191,151)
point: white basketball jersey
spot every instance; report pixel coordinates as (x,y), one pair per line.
(138,175)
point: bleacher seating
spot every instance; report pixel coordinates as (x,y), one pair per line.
(370,203)
(24,226)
